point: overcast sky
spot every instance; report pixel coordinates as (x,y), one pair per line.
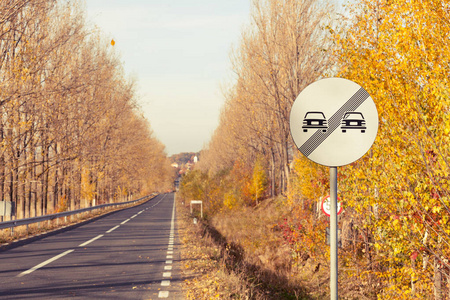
(178,50)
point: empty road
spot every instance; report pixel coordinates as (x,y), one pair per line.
(130,254)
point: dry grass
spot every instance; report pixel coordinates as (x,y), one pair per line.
(240,255)
(203,266)
(255,230)
(266,254)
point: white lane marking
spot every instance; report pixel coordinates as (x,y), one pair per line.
(91,240)
(44,263)
(172,224)
(112,229)
(169,262)
(168,268)
(169,252)
(165,283)
(172,228)
(169,257)
(163,294)
(167,274)
(132,217)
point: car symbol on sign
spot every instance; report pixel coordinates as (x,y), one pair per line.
(353,120)
(314,120)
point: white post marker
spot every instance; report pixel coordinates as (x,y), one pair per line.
(333,122)
(201,206)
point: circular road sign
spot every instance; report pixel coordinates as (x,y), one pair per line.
(334,122)
(326,205)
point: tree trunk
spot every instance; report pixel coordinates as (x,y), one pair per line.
(2,172)
(413,279)
(272,163)
(437,280)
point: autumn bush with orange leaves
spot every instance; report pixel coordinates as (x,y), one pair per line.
(239,186)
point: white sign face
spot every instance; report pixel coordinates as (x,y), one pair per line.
(334,122)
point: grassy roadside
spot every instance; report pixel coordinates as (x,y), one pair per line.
(206,276)
(241,255)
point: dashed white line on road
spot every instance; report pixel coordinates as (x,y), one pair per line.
(112,229)
(91,240)
(44,263)
(163,294)
(165,283)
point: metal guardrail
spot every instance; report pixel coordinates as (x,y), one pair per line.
(27,221)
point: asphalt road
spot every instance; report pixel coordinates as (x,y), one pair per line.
(130,254)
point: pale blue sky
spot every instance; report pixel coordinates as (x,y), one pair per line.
(178,50)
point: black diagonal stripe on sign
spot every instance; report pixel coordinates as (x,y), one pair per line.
(318,137)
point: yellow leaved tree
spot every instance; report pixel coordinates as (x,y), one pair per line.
(399,51)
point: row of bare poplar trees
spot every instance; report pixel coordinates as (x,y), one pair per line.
(70,128)
(280,53)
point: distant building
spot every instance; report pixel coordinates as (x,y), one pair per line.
(195,159)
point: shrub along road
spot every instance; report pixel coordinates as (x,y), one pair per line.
(130,254)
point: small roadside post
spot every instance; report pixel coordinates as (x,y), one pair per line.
(333,122)
(201,206)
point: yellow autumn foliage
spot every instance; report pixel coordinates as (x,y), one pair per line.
(399,52)
(87,186)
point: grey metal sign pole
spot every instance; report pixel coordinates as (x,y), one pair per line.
(333,122)
(333,235)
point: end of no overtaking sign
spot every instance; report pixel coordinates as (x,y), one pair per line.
(334,122)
